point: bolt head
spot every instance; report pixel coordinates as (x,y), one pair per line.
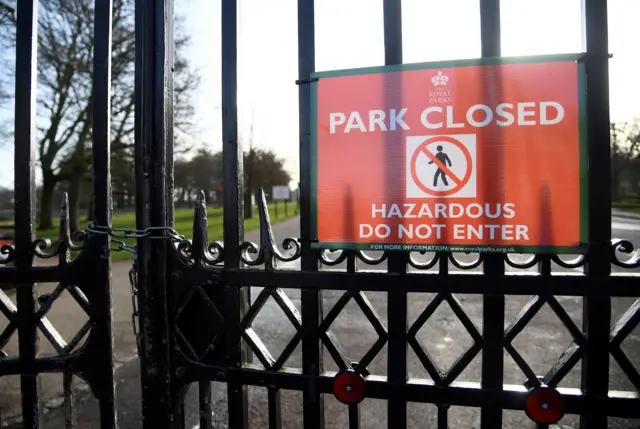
(544,406)
(348,388)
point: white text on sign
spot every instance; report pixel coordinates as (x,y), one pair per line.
(441,210)
(436,117)
(505,232)
(460,231)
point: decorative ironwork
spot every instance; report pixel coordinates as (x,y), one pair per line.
(256,344)
(192,316)
(624,246)
(331,342)
(201,339)
(199,251)
(440,378)
(268,253)
(8,252)
(8,308)
(627,323)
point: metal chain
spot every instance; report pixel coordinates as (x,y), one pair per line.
(118,234)
(135,317)
(117,237)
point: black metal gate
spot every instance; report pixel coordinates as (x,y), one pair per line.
(195,312)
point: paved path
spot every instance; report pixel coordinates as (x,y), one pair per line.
(540,343)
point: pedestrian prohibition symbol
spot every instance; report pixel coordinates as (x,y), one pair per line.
(441,166)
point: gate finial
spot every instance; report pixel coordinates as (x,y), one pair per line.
(268,252)
(201,250)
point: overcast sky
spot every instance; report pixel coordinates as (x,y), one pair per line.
(349,34)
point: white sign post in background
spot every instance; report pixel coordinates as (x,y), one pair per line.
(281,193)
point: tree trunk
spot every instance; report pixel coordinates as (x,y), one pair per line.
(46,203)
(75,190)
(183,193)
(248,207)
(90,210)
(120,201)
(615,186)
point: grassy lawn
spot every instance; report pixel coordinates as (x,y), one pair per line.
(631,205)
(184,224)
(627,209)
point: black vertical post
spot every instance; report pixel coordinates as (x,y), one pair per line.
(397,301)
(168,116)
(236,299)
(311,300)
(493,305)
(597,310)
(102,204)
(154,40)
(24,197)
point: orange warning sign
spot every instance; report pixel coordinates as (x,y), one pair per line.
(477,155)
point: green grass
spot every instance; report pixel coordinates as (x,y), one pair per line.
(630,207)
(183,224)
(628,201)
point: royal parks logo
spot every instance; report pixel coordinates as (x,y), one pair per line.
(440,93)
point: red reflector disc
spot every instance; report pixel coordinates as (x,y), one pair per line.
(545,405)
(349,387)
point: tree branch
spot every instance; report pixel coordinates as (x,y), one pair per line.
(8,12)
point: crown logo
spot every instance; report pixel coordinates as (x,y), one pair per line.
(439,80)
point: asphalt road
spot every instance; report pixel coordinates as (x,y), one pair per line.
(541,343)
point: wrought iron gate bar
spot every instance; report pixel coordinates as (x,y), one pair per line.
(597,311)
(527,284)
(465,394)
(87,279)
(153,171)
(457,283)
(397,262)
(236,300)
(24,190)
(493,305)
(311,299)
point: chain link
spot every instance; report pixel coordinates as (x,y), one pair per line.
(119,234)
(117,237)
(135,315)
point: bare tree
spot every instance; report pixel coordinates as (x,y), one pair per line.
(263,168)
(8,18)
(65,71)
(625,149)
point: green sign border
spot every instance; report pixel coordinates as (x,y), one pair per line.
(580,248)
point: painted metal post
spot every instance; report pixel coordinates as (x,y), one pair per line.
(24,196)
(236,298)
(153,136)
(597,310)
(493,265)
(311,300)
